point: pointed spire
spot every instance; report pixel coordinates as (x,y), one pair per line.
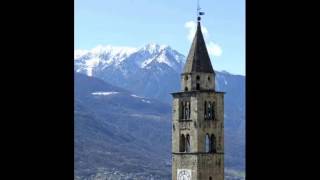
(198,59)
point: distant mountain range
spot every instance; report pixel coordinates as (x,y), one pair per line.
(151,71)
(118,130)
(123,110)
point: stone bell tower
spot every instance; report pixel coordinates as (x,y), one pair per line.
(197,122)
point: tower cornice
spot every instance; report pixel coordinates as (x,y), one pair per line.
(196,92)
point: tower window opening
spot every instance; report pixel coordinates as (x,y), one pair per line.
(198,86)
(207,143)
(188,143)
(186,89)
(212,144)
(205,109)
(189,110)
(213,111)
(182,143)
(182,110)
(209,78)
(198,77)
(186,77)
(185,110)
(210,178)
(209,110)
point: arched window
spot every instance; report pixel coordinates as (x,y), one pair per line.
(205,109)
(198,86)
(210,178)
(182,143)
(182,110)
(212,144)
(209,110)
(212,110)
(189,110)
(207,143)
(198,77)
(188,143)
(186,111)
(186,89)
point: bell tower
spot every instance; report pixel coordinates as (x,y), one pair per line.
(197,119)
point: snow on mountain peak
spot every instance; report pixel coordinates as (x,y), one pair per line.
(153,48)
(79,52)
(113,50)
(101,57)
(88,60)
(100,50)
(161,54)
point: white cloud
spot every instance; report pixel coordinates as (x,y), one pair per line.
(213,48)
(192,27)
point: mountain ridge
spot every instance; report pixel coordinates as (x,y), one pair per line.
(128,105)
(143,70)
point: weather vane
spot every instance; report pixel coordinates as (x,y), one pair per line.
(199,13)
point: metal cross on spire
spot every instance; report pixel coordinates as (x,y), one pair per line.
(199,13)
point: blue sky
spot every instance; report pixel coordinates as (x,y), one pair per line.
(139,22)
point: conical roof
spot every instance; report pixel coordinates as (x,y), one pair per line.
(198,59)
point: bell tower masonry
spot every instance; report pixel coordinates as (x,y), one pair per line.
(198,119)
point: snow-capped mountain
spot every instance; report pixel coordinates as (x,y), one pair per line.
(151,73)
(154,71)
(142,70)
(100,58)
